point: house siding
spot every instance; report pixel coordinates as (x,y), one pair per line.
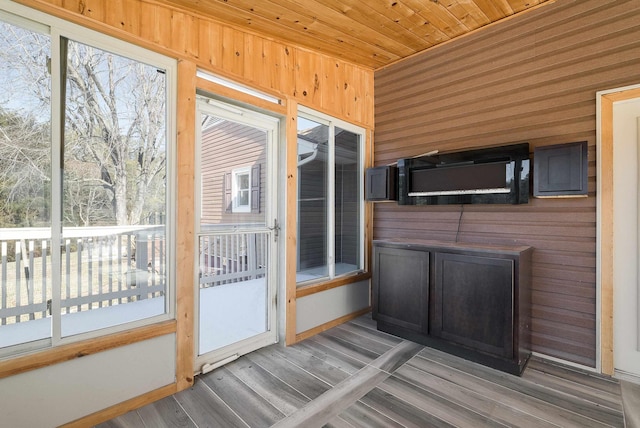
(532,78)
(225,147)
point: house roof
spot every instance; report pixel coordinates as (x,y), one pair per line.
(371,33)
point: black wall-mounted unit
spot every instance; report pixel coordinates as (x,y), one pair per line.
(495,175)
(560,170)
(381,183)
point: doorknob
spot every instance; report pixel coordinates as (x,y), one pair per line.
(275,228)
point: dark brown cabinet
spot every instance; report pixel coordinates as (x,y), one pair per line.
(469,300)
(403,300)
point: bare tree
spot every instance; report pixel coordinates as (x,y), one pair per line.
(115,119)
(114,124)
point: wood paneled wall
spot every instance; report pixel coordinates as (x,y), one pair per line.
(333,86)
(533,78)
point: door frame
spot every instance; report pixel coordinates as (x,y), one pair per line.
(270,123)
(604,224)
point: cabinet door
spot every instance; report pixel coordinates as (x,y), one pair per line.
(401,287)
(472,302)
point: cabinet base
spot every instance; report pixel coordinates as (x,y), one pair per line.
(508,366)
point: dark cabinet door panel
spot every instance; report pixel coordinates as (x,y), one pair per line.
(472,302)
(401,288)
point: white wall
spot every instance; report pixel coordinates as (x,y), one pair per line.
(64,392)
(320,308)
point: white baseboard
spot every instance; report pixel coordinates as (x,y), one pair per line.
(630,377)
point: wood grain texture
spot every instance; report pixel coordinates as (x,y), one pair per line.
(290,230)
(631,399)
(406,386)
(185,221)
(374,33)
(165,413)
(206,408)
(232,50)
(252,408)
(532,79)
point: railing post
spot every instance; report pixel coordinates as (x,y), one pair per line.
(5,285)
(142,264)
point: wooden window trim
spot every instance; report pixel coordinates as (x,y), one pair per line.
(51,356)
(334,283)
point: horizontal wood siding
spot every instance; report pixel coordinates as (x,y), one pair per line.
(331,85)
(225,147)
(312,216)
(533,78)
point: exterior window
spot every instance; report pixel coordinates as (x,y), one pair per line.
(241,190)
(85,181)
(330,199)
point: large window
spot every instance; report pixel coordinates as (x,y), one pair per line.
(85,167)
(330,199)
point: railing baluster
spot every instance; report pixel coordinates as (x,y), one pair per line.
(100,241)
(5,284)
(29,277)
(120,257)
(129,254)
(18,278)
(162,271)
(241,253)
(152,272)
(217,263)
(79,271)
(67,272)
(110,243)
(45,294)
(67,256)
(90,242)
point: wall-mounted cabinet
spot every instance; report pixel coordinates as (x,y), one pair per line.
(472,301)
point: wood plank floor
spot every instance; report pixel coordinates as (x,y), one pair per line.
(355,376)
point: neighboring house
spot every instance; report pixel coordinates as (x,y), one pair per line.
(232,180)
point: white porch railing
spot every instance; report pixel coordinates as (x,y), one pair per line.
(100,266)
(234,257)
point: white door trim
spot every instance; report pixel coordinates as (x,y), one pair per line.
(604,223)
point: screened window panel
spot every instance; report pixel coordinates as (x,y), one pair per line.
(25,185)
(114,190)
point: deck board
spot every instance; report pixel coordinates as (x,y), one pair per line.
(251,407)
(316,366)
(359,414)
(353,376)
(207,409)
(301,380)
(278,393)
(165,413)
(485,404)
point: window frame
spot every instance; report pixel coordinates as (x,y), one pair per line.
(333,123)
(235,174)
(57,29)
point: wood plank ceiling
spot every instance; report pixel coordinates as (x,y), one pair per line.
(370,33)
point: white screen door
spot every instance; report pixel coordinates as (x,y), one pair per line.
(236,225)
